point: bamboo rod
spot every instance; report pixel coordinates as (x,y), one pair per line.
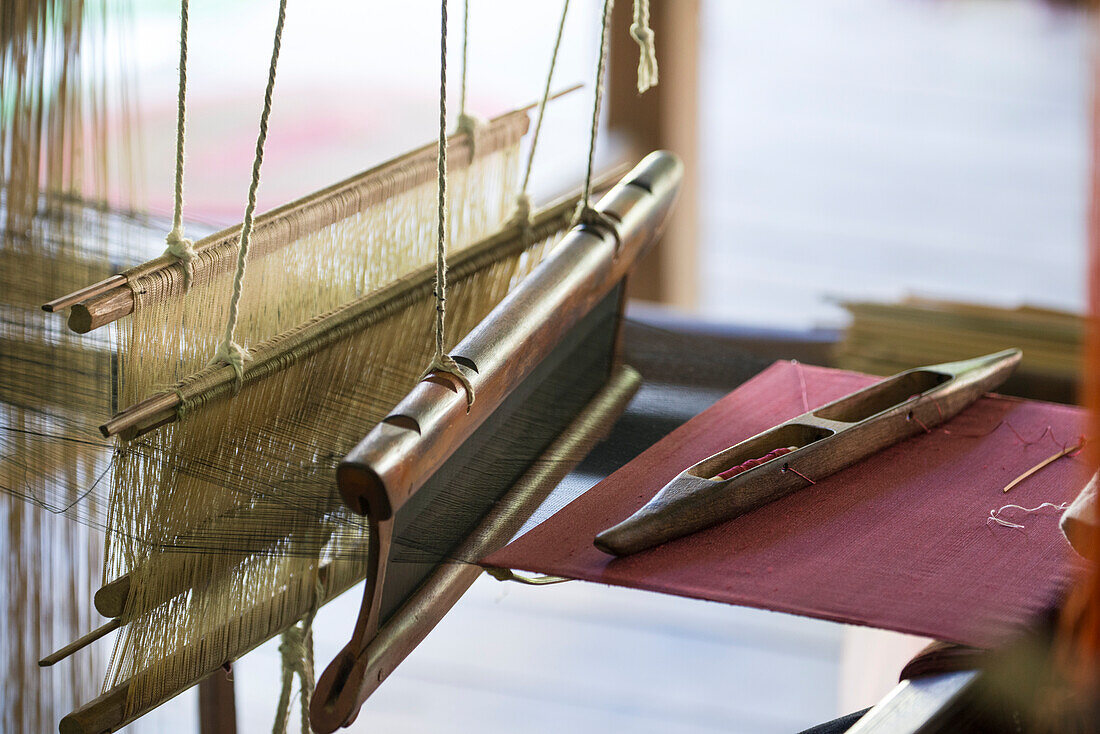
(111,299)
(84,293)
(80,643)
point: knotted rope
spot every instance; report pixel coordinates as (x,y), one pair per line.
(586,213)
(296,650)
(469,124)
(179,246)
(647,50)
(443,362)
(522,214)
(229,351)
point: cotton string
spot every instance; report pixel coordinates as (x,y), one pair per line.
(296,650)
(586,213)
(523,201)
(994,514)
(443,362)
(468,124)
(229,351)
(179,246)
(647,50)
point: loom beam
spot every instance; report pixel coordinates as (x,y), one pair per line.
(111,299)
(431,425)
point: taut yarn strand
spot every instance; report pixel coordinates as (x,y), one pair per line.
(523,201)
(443,362)
(179,246)
(229,351)
(586,213)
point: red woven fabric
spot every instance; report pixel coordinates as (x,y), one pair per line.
(899,541)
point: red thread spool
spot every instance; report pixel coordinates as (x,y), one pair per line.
(735,470)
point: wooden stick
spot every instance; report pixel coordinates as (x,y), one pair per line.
(84,293)
(1044,463)
(80,643)
(111,299)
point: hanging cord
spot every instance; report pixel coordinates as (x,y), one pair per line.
(586,213)
(443,362)
(647,50)
(523,201)
(471,125)
(179,246)
(296,649)
(229,351)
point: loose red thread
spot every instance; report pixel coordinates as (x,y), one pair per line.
(735,470)
(913,417)
(790,468)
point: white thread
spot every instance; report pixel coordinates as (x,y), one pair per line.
(647,49)
(229,351)
(179,246)
(993,514)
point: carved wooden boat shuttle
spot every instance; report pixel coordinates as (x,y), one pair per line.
(823,441)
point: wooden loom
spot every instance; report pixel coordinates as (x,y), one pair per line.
(580,287)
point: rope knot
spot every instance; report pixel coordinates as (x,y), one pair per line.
(647,50)
(521,217)
(293,649)
(471,126)
(589,216)
(183,250)
(234,355)
(446,363)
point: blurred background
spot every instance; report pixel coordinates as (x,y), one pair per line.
(868,179)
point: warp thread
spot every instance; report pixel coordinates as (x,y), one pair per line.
(229,351)
(179,246)
(443,362)
(647,49)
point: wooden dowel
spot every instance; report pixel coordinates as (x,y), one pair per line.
(84,293)
(110,600)
(80,643)
(102,309)
(1044,463)
(144,416)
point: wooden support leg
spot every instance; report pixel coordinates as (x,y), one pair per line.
(217,705)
